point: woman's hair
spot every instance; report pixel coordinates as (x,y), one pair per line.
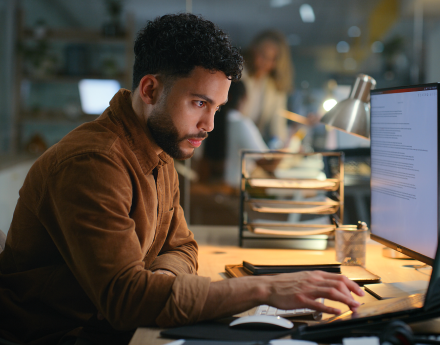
(282,74)
(173,45)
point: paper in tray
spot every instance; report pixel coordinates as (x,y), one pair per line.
(291,230)
(329,184)
(278,206)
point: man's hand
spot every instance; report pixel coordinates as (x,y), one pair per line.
(168,273)
(300,290)
(284,291)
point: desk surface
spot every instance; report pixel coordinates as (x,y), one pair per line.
(217,249)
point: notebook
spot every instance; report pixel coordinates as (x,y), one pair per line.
(358,274)
(255,269)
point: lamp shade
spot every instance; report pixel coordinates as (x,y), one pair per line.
(353,114)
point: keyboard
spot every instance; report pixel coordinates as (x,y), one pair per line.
(268,310)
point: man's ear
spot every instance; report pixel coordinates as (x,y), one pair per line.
(149,88)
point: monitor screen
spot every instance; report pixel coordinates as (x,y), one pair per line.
(95,94)
(404,169)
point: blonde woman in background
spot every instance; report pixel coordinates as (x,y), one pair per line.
(268,79)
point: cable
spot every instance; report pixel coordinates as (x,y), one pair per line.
(418,267)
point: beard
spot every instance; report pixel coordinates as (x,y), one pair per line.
(166,135)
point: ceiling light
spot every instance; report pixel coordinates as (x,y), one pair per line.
(354,31)
(306,13)
(280,3)
(377,47)
(329,103)
(343,47)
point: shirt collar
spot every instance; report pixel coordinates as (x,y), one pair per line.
(132,128)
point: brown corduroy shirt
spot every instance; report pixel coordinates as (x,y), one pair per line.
(97,213)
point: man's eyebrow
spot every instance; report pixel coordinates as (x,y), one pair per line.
(206,98)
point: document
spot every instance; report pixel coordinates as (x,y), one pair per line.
(404,166)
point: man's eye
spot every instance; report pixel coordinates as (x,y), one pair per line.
(218,109)
(200,104)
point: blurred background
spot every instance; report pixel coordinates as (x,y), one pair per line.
(53,50)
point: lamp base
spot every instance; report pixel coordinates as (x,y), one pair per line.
(393,254)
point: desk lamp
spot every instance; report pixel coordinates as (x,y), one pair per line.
(353,114)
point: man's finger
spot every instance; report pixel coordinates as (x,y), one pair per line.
(351,285)
(336,284)
(335,295)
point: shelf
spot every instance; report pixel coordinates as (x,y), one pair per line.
(76,36)
(328,184)
(328,206)
(27,80)
(56,118)
(7,161)
(290,229)
(63,79)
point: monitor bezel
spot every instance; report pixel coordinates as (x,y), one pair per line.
(402,249)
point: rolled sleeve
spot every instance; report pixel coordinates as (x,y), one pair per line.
(173,262)
(186,301)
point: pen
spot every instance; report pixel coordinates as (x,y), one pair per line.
(335,220)
(361,225)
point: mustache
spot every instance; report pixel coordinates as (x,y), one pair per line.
(201,135)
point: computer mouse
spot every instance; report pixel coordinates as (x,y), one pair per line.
(262,321)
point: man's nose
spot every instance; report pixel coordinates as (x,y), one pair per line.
(207,121)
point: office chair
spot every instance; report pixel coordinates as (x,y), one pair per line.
(2,247)
(2,240)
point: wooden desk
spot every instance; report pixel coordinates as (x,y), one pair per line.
(212,260)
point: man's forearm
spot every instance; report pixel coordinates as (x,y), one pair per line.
(232,296)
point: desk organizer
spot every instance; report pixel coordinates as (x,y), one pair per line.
(290,196)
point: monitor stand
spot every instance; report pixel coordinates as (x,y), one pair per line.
(401,289)
(394,254)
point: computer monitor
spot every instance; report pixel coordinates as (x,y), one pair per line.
(95,94)
(405,169)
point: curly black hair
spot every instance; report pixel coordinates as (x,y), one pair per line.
(174,44)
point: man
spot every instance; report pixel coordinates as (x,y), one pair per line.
(98,244)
